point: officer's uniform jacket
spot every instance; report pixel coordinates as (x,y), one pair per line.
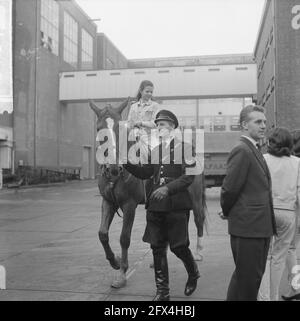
(169,170)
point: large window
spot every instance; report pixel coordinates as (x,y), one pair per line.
(70,40)
(87,50)
(49,25)
(220,114)
(211,115)
(184,109)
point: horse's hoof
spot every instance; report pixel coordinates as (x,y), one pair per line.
(115,263)
(198,257)
(119,282)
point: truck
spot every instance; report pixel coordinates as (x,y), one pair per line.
(217,146)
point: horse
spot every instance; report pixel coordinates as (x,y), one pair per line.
(121,190)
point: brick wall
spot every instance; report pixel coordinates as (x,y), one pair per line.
(265,59)
(288,65)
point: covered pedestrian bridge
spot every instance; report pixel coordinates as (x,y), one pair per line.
(185,82)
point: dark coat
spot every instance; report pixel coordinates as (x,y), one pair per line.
(246,197)
(173,175)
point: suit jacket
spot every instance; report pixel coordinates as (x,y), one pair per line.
(169,169)
(246,197)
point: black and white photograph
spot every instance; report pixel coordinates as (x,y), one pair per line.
(149,151)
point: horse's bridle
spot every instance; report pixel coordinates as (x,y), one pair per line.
(113,173)
(112,179)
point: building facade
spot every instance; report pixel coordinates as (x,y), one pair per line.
(277,53)
(55,42)
(109,56)
(6,93)
(50,37)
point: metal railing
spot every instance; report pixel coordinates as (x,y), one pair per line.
(28,175)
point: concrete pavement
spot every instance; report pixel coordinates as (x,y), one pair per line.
(49,246)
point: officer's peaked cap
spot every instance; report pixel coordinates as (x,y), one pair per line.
(166,115)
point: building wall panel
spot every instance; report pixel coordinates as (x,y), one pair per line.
(288,63)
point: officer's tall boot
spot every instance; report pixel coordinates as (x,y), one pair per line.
(161,274)
(186,256)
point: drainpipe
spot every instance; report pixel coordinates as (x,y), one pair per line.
(35,86)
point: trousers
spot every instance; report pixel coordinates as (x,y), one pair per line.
(285,224)
(250,256)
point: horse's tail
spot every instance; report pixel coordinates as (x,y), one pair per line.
(199,204)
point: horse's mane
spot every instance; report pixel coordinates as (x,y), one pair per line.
(126,111)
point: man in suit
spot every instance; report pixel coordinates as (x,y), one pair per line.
(168,204)
(246,202)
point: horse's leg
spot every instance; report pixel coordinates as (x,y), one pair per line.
(199,222)
(128,218)
(107,216)
(197,193)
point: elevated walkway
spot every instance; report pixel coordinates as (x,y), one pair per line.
(177,82)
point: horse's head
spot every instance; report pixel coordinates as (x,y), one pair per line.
(109,117)
(108,112)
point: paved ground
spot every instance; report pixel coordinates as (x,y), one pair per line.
(50,249)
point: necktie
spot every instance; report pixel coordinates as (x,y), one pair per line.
(258,147)
(262,158)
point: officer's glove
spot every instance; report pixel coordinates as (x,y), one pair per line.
(160,193)
(222,216)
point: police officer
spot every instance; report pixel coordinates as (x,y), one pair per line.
(168,204)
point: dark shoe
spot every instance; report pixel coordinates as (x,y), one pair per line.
(292,297)
(185,254)
(191,284)
(161,297)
